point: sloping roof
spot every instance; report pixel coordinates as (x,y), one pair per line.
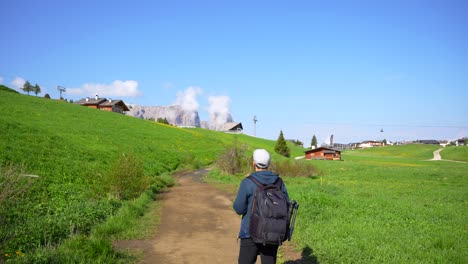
(232,127)
(325,150)
(429,141)
(91,101)
(115,102)
(102,102)
(371,141)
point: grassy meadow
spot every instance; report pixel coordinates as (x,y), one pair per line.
(77,153)
(381,205)
(455,153)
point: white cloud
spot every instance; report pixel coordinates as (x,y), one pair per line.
(116,88)
(219,109)
(187,99)
(1,79)
(18,82)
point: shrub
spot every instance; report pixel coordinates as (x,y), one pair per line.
(293,168)
(127,179)
(13,184)
(163,120)
(233,160)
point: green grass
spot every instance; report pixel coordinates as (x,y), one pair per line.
(459,153)
(72,149)
(382,205)
(7,89)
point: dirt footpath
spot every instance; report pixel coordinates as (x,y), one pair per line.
(198,225)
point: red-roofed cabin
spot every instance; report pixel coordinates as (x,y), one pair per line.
(323,153)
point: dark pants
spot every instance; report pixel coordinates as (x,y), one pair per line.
(249,251)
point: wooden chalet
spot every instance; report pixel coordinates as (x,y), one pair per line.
(323,153)
(91,102)
(114,106)
(110,105)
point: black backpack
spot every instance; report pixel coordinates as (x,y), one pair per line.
(269,221)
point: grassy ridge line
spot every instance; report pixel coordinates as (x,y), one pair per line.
(56,129)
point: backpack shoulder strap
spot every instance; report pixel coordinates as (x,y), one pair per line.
(259,184)
(279,183)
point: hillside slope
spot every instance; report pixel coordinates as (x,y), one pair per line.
(73,149)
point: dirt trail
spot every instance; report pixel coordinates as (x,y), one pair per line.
(197,226)
(438,157)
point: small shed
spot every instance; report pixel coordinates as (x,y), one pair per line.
(232,127)
(323,153)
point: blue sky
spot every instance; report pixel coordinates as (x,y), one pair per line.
(347,68)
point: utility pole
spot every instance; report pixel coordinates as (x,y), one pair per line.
(61,89)
(255,125)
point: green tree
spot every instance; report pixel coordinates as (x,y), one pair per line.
(297,142)
(314,142)
(27,87)
(163,120)
(47,96)
(281,146)
(36,89)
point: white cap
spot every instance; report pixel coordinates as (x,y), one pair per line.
(261,157)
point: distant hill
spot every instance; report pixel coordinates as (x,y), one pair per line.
(7,89)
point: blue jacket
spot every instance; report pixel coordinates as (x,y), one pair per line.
(243,203)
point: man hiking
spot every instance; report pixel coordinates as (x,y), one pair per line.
(249,249)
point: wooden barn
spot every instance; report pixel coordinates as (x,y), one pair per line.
(323,153)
